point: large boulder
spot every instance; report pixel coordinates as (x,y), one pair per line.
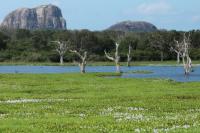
(133,26)
(42,17)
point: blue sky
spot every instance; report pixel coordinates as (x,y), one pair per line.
(100,14)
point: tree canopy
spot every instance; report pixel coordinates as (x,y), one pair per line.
(25,45)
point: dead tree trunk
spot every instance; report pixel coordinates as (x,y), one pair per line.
(82,62)
(61,59)
(187,62)
(129,58)
(61,48)
(178,58)
(116,58)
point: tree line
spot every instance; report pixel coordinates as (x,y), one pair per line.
(40,46)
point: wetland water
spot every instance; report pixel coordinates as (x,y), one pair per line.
(163,72)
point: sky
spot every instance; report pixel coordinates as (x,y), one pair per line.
(100,14)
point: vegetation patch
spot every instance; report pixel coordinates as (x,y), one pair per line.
(140,72)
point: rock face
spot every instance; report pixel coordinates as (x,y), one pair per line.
(42,17)
(133,26)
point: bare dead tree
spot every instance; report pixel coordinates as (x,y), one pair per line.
(178,50)
(82,62)
(187,62)
(61,48)
(183,51)
(116,57)
(129,58)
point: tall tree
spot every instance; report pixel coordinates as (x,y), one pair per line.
(156,40)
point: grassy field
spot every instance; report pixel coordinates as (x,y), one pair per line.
(92,103)
(135,63)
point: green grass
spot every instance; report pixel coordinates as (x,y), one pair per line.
(90,103)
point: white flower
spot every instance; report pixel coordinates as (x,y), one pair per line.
(186,126)
(82,115)
(137,130)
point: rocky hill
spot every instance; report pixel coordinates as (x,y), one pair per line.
(42,17)
(133,26)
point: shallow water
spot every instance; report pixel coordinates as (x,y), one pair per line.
(165,72)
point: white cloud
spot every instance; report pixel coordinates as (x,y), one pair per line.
(158,7)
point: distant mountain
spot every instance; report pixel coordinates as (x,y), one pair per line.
(133,26)
(42,17)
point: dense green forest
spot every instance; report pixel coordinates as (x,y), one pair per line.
(37,46)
